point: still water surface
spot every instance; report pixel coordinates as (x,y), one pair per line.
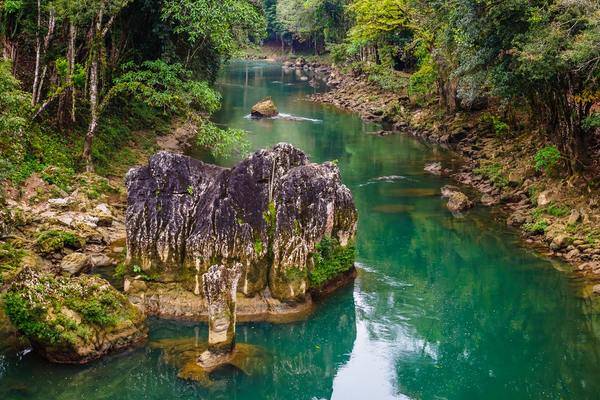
(443,308)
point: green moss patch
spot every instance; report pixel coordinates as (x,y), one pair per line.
(330,260)
(10,260)
(53,241)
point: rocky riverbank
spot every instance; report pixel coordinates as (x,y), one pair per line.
(559,215)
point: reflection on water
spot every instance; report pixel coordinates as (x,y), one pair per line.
(443,308)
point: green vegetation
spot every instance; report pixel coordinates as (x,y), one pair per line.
(557,211)
(536,227)
(258,246)
(95,72)
(493,172)
(547,159)
(123,269)
(530,59)
(53,241)
(330,260)
(499,127)
(56,310)
(10,260)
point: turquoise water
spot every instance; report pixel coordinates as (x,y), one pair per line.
(443,308)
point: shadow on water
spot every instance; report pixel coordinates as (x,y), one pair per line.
(443,307)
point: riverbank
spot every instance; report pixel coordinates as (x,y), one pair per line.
(557,214)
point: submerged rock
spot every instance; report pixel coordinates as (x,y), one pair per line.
(183,354)
(72,320)
(264,109)
(288,222)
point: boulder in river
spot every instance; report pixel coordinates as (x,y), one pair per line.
(290,223)
(264,109)
(458,202)
(72,320)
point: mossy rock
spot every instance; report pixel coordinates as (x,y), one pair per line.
(72,320)
(11,257)
(53,241)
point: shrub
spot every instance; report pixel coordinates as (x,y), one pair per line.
(500,128)
(10,260)
(537,227)
(546,159)
(59,176)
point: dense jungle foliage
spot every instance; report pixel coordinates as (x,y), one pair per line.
(77,77)
(535,60)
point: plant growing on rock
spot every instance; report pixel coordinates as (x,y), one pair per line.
(547,159)
(72,320)
(494,172)
(330,260)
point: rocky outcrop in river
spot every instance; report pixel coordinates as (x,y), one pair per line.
(290,223)
(264,109)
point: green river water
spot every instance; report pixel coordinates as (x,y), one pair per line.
(443,307)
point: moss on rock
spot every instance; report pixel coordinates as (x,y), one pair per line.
(72,320)
(53,241)
(330,260)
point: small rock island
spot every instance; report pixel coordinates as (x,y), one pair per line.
(264,109)
(287,223)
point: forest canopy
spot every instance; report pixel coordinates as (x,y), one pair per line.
(542,57)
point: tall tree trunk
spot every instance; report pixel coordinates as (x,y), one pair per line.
(71,59)
(93,89)
(89,137)
(41,51)
(38,50)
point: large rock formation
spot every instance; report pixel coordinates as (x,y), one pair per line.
(72,320)
(289,222)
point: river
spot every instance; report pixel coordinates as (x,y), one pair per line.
(443,307)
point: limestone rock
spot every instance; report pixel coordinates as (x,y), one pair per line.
(560,241)
(434,168)
(75,263)
(574,217)
(103,214)
(488,200)
(268,213)
(72,320)
(516,219)
(447,190)
(220,288)
(546,197)
(264,109)
(458,202)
